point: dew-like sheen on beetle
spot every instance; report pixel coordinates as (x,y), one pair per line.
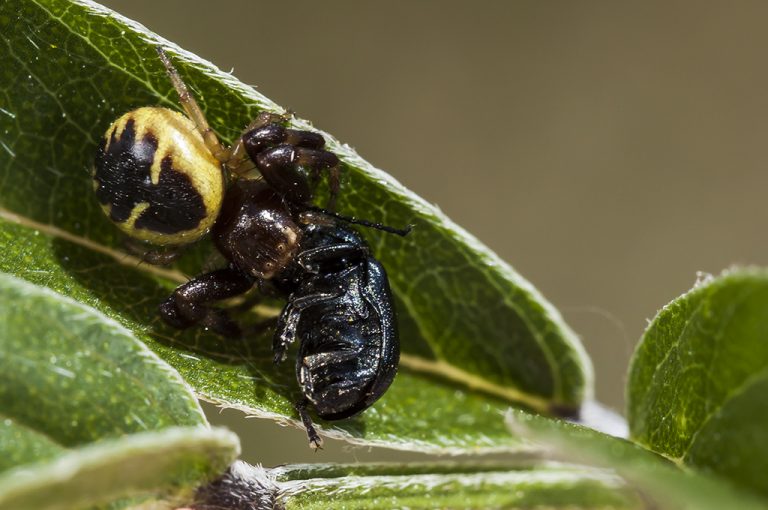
(162,177)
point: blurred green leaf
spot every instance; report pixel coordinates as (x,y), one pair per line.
(467,319)
(698,385)
(458,485)
(660,483)
(540,488)
(161,466)
(20,444)
(73,380)
(69,376)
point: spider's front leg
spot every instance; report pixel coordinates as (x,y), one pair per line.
(278,153)
(188,305)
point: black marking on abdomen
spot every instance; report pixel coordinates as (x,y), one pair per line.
(123,174)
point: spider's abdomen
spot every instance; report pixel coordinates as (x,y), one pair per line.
(155,178)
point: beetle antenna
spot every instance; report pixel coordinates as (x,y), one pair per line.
(356,221)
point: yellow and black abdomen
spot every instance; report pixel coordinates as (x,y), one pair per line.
(155,178)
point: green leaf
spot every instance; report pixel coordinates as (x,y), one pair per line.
(459,485)
(660,483)
(20,444)
(467,319)
(548,488)
(416,413)
(69,376)
(165,465)
(698,385)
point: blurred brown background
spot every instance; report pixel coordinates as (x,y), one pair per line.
(607,150)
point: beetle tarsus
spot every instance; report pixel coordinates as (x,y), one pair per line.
(315,441)
(280,356)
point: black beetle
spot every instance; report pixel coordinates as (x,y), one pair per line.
(340,306)
(339,302)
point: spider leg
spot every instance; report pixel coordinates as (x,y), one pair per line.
(193,110)
(188,305)
(238,160)
(280,153)
(153,256)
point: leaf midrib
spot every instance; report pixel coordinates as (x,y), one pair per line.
(417,364)
(684,336)
(118,256)
(737,391)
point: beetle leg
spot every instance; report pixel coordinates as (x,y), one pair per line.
(285,332)
(312,259)
(315,441)
(187,306)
